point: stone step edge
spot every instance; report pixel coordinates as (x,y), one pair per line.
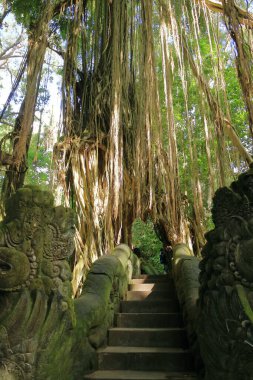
(152,277)
(159,301)
(152,287)
(147,329)
(149,320)
(177,314)
(133,350)
(142,375)
(143,281)
(150,292)
(155,304)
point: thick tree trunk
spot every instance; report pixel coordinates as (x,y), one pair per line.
(37,44)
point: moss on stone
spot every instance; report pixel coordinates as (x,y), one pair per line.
(14,268)
(108,265)
(54,335)
(245,302)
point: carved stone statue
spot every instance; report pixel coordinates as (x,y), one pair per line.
(44,333)
(36,240)
(225,325)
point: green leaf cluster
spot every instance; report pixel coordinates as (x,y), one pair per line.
(145,238)
(27,12)
(39,164)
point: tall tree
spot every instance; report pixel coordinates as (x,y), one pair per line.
(37,20)
(150,122)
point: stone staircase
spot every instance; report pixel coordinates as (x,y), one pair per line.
(149,341)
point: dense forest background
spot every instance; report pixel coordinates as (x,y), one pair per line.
(133,112)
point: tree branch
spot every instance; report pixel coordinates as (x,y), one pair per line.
(245,17)
(11,48)
(59,52)
(5,122)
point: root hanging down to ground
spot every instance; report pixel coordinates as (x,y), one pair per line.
(123,153)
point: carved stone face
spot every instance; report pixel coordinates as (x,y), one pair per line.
(35,240)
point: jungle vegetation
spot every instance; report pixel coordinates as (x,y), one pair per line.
(156,112)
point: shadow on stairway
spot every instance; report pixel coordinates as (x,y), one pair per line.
(148,340)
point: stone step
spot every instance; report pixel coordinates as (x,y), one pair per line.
(160,286)
(147,279)
(153,276)
(139,375)
(145,359)
(149,320)
(169,306)
(147,337)
(148,295)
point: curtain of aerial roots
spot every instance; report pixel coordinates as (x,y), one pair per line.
(243,51)
(222,106)
(161,197)
(191,123)
(218,102)
(95,114)
(115,141)
(194,58)
(173,204)
(211,110)
(170,31)
(71,165)
(116,167)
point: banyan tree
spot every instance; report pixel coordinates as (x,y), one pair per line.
(151,94)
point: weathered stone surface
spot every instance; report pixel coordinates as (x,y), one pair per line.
(105,286)
(225,328)
(14,268)
(185,269)
(136,265)
(44,333)
(35,290)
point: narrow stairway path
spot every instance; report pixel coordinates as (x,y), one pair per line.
(149,341)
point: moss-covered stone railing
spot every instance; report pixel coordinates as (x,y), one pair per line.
(185,269)
(106,285)
(44,333)
(219,309)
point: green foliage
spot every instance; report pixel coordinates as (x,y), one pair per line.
(39,164)
(145,238)
(26,12)
(237,106)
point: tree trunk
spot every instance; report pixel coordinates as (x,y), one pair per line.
(37,44)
